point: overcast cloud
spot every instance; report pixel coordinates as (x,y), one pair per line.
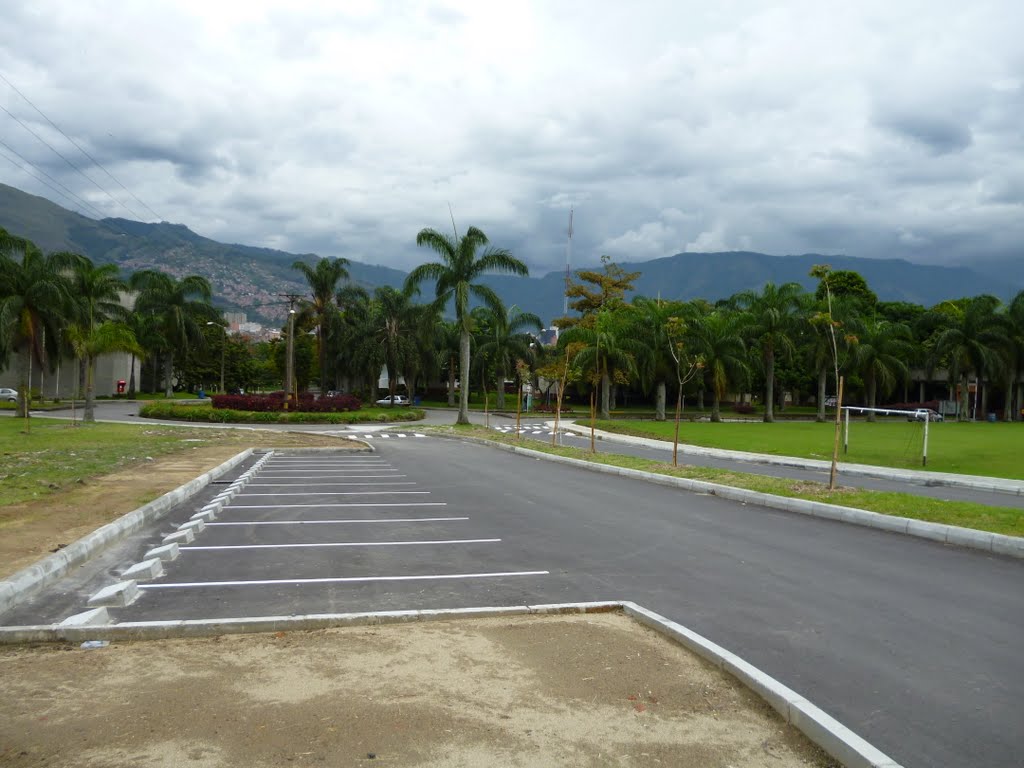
(876,129)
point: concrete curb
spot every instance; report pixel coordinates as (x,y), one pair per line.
(918,477)
(822,729)
(1011,546)
(41,574)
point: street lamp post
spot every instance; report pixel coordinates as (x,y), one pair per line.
(290,353)
(223,344)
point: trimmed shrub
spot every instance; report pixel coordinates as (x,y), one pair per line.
(204,413)
(274,403)
(744,408)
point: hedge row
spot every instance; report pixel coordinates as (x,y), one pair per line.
(204,413)
(275,401)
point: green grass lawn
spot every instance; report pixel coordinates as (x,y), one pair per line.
(55,454)
(1004,520)
(974,448)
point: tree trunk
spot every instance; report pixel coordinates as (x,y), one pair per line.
(89,414)
(24,383)
(965,414)
(871,387)
(984,398)
(81,376)
(499,400)
(168,374)
(464,374)
(716,406)
(659,402)
(613,398)
(606,386)
(769,385)
(451,381)
(131,379)
(700,398)
(822,385)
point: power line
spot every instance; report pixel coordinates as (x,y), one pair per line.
(69,194)
(80,148)
(75,167)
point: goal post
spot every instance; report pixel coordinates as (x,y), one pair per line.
(886,412)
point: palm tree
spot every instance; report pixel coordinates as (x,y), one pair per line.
(770,317)
(717,337)
(507,342)
(35,302)
(179,309)
(323,282)
(454,278)
(969,338)
(1014,355)
(880,356)
(394,320)
(607,350)
(650,318)
(447,340)
(97,292)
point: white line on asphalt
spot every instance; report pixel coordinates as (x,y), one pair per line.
(350,520)
(340,493)
(338,544)
(323,485)
(317,477)
(353,504)
(341,580)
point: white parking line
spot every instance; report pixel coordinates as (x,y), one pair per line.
(324,485)
(339,493)
(341,580)
(350,520)
(338,544)
(353,504)
(319,477)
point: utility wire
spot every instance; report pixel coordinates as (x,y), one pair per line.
(64,158)
(67,194)
(80,148)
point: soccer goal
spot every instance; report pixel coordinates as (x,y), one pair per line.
(918,414)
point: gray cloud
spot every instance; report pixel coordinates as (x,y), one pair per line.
(869,129)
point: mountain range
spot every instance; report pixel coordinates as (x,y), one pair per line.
(251,279)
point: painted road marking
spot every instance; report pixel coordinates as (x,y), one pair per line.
(350,520)
(353,504)
(324,485)
(340,493)
(341,580)
(338,544)
(318,477)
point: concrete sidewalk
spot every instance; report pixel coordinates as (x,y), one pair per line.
(918,477)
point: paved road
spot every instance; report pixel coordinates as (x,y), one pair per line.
(914,645)
(128,412)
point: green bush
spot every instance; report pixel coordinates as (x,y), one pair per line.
(204,413)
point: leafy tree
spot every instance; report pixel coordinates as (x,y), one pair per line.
(179,309)
(99,326)
(447,340)
(880,356)
(507,341)
(323,282)
(35,303)
(769,321)
(454,277)
(607,352)
(717,337)
(850,284)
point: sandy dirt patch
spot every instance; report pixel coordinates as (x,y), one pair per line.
(32,530)
(590,690)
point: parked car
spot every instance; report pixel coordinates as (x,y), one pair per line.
(920,414)
(398,400)
(9,395)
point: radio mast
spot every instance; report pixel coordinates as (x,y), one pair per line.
(568,261)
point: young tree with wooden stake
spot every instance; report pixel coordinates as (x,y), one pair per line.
(822,272)
(675,331)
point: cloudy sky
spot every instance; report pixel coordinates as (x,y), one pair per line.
(879,129)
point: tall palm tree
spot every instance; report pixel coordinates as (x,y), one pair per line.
(447,340)
(970,336)
(351,328)
(650,318)
(770,317)
(180,309)
(717,337)
(507,342)
(607,350)
(1014,356)
(455,277)
(35,303)
(97,294)
(323,282)
(394,319)
(880,356)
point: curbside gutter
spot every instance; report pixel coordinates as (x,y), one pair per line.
(997,543)
(828,733)
(44,572)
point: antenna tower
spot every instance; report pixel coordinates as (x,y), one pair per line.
(568,261)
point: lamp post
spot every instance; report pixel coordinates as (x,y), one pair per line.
(290,354)
(223,344)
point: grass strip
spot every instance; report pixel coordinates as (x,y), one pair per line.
(208,414)
(1004,520)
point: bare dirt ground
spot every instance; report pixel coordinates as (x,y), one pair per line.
(32,530)
(592,690)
